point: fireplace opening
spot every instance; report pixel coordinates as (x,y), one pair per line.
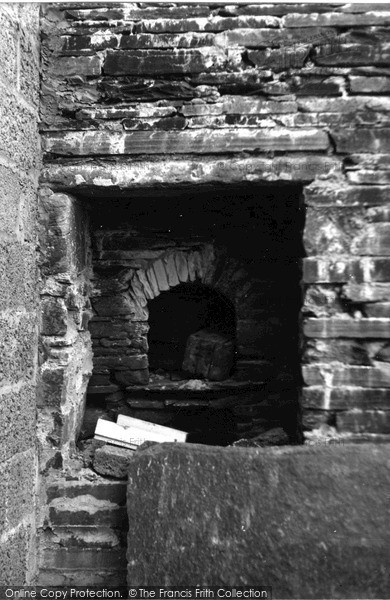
(196,297)
(191,333)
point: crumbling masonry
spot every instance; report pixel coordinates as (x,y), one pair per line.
(227,158)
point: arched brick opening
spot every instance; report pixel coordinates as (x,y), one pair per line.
(244,244)
(192,331)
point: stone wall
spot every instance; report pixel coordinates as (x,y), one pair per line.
(158,95)
(19,168)
(139,99)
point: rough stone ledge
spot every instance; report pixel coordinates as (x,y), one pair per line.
(228,141)
(307,520)
(133,174)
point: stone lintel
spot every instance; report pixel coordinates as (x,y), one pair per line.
(137,174)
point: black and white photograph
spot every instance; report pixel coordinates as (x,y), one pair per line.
(195,300)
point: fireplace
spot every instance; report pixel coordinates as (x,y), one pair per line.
(196,298)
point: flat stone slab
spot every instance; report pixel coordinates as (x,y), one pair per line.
(312,522)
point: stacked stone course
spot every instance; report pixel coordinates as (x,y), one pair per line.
(136,96)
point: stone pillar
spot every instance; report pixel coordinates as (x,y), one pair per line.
(19,167)
(66,356)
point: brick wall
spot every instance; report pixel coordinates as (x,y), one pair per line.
(19,167)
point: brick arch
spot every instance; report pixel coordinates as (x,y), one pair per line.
(173,267)
(177,266)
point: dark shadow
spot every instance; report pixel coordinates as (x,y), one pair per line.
(180,312)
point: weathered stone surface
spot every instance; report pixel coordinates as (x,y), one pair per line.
(151,62)
(211,170)
(369,85)
(374,240)
(54,316)
(345,398)
(209,355)
(131,12)
(344,269)
(347,328)
(242,105)
(110,306)
(365,176)
(351,195)
(352,54)
(89,66)
(19,287)
(279,60)
(254,38)
(370,140)
(138,376)
(337,19)
(333,375)
(364,421)
(273,437)
(122,361)
(347,351)
(347,496)
(203,24)
(166,40)
(344,105)
(378,310)
(112,461)
(367,292)
(184,142)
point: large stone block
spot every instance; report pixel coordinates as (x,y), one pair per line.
(232,519)
(184,142)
